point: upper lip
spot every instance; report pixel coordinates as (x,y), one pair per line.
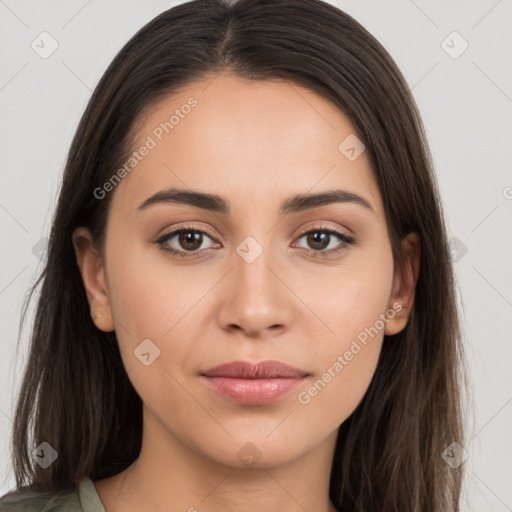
(248,370)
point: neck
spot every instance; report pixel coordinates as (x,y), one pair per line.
(170,476)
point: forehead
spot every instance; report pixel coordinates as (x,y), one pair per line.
(252,140)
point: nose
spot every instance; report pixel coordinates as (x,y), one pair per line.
(255,298)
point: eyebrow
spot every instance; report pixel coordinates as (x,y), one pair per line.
(218,204)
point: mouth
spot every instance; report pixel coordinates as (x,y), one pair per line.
(254,383)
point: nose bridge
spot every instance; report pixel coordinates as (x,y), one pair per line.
(254,255)
(254,279)
(255,298)
(252,265)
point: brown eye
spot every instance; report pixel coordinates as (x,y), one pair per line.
(318,240)
(188,240)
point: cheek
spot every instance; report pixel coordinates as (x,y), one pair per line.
(347,363)
(149,303)
(354,308)
(147,296)
(350,297)
(150,300)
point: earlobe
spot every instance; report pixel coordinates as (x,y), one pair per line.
(90,264)
(404,285)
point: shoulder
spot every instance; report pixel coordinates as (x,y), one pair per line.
(24,499)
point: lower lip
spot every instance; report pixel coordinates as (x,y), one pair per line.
(253,391)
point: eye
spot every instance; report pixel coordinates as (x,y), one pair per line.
(320,238)
(189,239)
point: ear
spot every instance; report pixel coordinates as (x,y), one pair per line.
(92,270)
(404,285)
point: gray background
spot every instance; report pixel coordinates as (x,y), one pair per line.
(466,104)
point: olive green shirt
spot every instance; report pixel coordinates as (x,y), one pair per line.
(85,499)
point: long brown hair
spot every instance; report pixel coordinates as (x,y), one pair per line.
(76,395)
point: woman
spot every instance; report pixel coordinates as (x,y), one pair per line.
(248,302)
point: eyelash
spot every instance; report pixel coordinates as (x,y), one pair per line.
(161,242)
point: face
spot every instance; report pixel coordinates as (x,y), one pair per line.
(311,285)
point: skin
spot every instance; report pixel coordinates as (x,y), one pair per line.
(256,144)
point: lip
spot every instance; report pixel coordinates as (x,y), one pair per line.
(254,383)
